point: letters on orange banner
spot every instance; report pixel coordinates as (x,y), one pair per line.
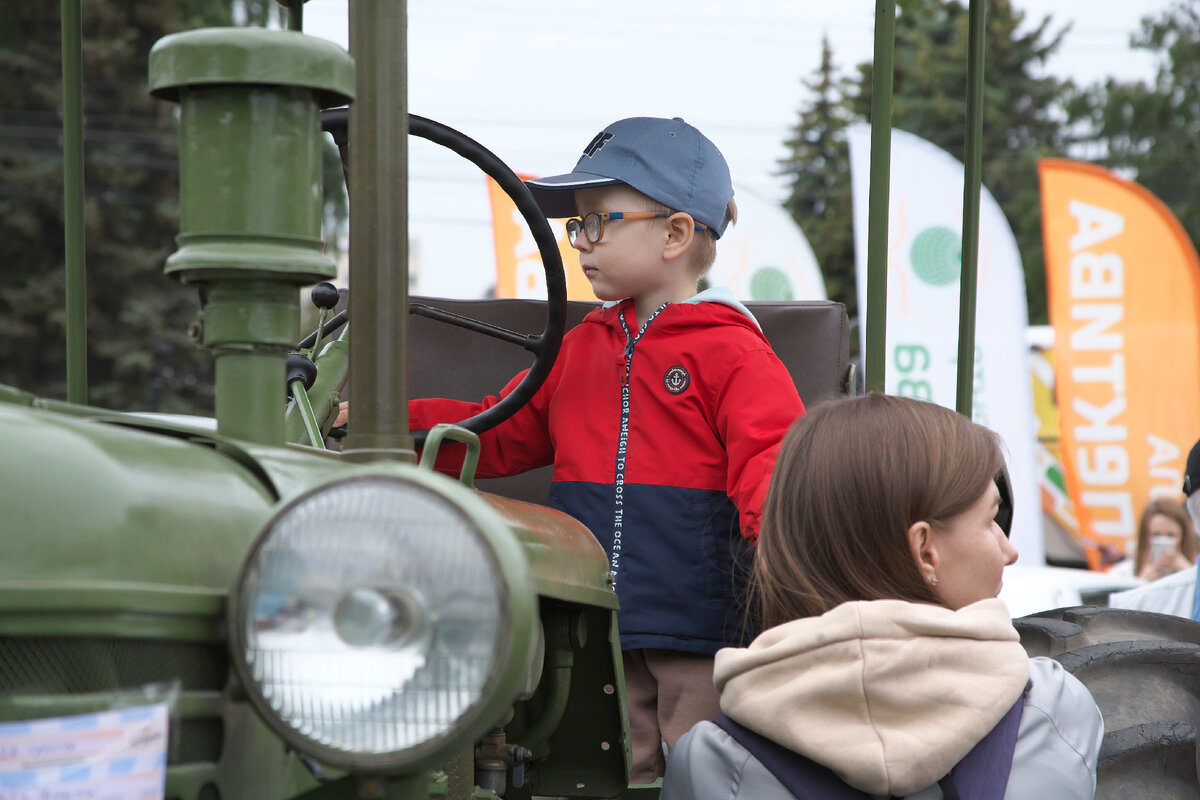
(519,271)
(1124,291)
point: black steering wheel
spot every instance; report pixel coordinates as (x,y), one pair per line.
(545,345)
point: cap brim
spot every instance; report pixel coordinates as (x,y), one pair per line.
(555,195)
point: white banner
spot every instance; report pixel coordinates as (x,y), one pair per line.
(924,259)
(765,256)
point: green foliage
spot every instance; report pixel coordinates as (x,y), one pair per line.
(819,168)
(139,354)
(130,210)
(1151,133)
(930,82)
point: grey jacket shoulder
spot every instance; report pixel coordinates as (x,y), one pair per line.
(1058,744)
(709,764)
(1174,594)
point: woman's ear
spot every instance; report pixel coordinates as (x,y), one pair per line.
(923,550)
(681,229)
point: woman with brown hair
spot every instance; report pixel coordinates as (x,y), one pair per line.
(1166,542)
(887,665)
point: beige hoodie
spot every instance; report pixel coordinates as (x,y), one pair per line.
(888,694)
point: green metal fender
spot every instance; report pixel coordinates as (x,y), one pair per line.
(122,538)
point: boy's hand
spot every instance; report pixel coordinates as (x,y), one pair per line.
(343,415)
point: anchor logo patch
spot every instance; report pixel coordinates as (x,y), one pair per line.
(676,380)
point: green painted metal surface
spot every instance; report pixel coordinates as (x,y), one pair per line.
(972,179)
(877,199)
(250,199)
(250,326)
(211,56)
(379,235)
(151,541)
(303,409)
(323,395)
(158,529)
(518,638)
(45,606)
(443,432)
(110,504)
(566,561)
(234,213)
(73,226)
(250,148)
(124,534)
(295,15)
(585,749)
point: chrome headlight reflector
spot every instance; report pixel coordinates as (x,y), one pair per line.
(375,617)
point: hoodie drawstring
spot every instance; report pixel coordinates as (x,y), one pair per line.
(631,341)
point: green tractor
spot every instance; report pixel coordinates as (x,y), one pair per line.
(314,623)
(325,624)
(317,623)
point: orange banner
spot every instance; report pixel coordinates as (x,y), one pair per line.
(519,271)
(1124,292)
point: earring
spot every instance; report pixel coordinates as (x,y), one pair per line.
(934,581)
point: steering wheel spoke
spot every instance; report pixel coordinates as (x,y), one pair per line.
(544,345)
(527,341)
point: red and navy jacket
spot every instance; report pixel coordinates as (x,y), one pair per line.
(663,441)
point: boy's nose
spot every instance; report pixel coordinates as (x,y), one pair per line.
(581,243)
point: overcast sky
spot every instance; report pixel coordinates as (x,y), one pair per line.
(534,80)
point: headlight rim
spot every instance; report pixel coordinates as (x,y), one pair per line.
(515,636)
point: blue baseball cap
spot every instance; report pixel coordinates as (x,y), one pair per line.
(667,160)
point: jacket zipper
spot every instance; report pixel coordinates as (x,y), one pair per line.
(623,445)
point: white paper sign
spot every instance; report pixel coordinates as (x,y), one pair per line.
(110,755)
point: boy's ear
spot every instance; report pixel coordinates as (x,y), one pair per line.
(923,550)
(681,229)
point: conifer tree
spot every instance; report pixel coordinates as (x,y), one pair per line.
(1151,132)
(139,353)
(818,168)
(1022,116)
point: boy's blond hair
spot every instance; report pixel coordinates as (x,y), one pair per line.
(704,245)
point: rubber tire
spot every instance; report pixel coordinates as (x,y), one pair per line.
(1143,669)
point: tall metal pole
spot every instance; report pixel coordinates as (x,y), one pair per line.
(877,202)
(73,231)
(295,16)
(378,303)
(968,283)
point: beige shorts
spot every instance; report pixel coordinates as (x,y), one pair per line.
(668,692)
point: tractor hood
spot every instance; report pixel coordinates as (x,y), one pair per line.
(167,503)
(114,498)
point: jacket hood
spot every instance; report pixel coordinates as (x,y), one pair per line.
(717,304)
(888,694)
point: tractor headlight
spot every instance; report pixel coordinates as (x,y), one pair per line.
(378,618)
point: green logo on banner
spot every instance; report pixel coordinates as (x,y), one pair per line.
(769,283)
(936,256)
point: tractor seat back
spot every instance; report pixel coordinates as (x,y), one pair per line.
(811,338)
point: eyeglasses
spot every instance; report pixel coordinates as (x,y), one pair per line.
(592,225)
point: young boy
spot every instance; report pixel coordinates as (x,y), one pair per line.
(662,415)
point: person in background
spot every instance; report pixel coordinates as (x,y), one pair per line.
(887,663)
(1166,542)
(1176,592)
